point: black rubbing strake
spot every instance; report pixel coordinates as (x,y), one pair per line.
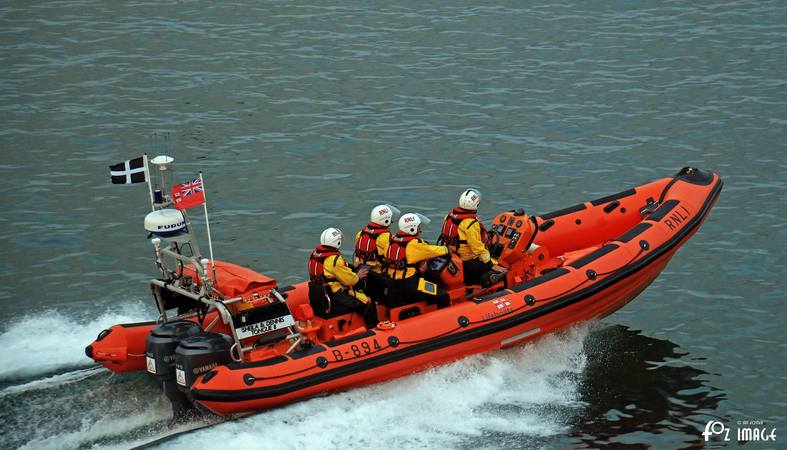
(354,337)
(611,207)
(490,296)
(307,352)
(663,210)
(609,198)
(136,324)
(694,176)
(265,362)
(592,256)
(634,232)
(539,280)
(546,225)
(563,212)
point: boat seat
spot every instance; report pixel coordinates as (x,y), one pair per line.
(411,310)
(329,328)
(308,325)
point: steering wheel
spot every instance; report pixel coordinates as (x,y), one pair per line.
(492,238)
(492,243)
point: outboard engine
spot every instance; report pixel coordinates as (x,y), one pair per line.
(160,357)
(199,354)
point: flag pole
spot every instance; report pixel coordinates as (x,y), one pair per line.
(147,178)
(207,225)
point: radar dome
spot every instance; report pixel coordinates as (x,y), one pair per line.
(167,224)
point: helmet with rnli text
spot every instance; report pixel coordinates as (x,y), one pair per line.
(410,223)
(470,199)
(383,214)
(331,237)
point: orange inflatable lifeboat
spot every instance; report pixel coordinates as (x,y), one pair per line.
(256,346)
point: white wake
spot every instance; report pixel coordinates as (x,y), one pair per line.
(525,390)
(50,341)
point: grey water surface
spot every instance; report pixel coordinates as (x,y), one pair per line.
(304,115)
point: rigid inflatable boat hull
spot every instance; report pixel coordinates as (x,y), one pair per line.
(595,286)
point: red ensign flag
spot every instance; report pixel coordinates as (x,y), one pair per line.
(188,195)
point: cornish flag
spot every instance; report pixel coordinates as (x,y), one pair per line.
(128,172)
(189,194)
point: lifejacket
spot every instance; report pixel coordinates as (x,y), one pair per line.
(396,256)
(317,263)
(366,244)
(449,235)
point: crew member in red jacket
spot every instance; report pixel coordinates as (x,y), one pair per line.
(371,244)
(332,282)
(465,235)
(405,262)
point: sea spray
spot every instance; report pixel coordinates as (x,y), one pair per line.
(529,390)
(53,381)
(50,341)
(103,430)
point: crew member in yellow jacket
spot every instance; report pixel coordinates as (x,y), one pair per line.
(405,261)
(332,282)
(466,235)
(371,244)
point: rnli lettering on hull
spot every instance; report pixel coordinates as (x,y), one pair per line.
(676,218)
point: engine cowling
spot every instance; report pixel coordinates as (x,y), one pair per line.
(160,348)
(199,354)
(161,344)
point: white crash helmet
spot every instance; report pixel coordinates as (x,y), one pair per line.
(383,214)
(331,237)
(410,223)
(470,199)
